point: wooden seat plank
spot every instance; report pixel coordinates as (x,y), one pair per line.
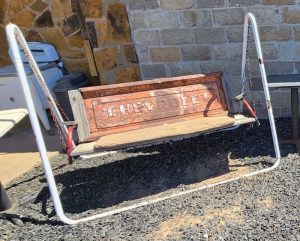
(89,148)
(148,135)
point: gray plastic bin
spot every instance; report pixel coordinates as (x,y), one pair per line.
(66,83)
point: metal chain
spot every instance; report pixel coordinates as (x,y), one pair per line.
(66,118)
(61,137)
(44,87)
(249,69)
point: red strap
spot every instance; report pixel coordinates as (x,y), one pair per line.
(70,144)
(252,112)
(249,108)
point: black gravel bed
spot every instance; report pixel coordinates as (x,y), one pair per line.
(264,207)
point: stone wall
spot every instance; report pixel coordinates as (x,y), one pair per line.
(171,37)
(55,22)
(177,37)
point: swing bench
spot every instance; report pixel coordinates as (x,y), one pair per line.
(141,113)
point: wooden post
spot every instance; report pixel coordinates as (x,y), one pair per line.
(90,58)
(88,52)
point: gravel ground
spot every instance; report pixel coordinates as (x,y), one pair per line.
(265,207)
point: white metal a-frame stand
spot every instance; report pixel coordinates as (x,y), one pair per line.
(15,38)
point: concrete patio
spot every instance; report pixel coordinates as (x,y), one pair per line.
(18,151)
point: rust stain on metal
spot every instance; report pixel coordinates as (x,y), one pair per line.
(155,84)
(153,105)
(120,109)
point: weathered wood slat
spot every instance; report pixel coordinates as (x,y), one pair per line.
(242,120)
(90,148)
(90,58)
(79,114)
(162,132)
(84,149)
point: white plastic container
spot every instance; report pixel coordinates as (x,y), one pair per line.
(11,94)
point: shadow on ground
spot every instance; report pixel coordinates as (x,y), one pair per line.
(135,174)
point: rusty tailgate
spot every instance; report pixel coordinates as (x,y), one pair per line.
(123,107)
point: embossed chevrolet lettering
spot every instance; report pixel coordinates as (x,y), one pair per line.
(131,106)
(157,105)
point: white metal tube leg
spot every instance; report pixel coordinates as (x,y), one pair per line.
(250,19)
(13,32)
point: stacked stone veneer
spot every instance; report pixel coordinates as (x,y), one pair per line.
(171,37)
(55,22)
(177,37)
